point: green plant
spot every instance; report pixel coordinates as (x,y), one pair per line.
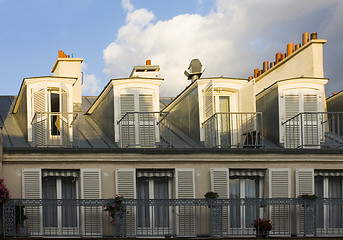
(308,196)
(20,216)
(261,225)
(211,195)
(114,207)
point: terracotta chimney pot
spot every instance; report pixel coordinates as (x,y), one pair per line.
(305,38)
(290,48)
(148,62)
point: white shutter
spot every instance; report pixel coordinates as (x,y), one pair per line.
(220,185)
(146,121)
(39,101)
(32,182)
(311,126)
(128,129)
(126,186)
(279,187)
(91,189)
(304,182)
(291,106)
(127,103)
(208,101)
(185,189)
(310,103)
(220,181)
(304,179)
(292,131)
(40,124)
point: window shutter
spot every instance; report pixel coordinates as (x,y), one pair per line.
(279,187)
(220,185)
(91,189)
(145,103)
(39,101)
(208,101)
(304,179)
(127,103)
(310,103)
(146,121)
(126,186)
(32,182)
(220,181)
(40,124)
(185,189)
(311,127)
(291,106)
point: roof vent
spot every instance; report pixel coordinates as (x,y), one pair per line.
(194,70)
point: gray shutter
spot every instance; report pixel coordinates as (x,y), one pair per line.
(126,186)
(304,184)
(185,189)
(32,182)
(220,185)
(146,121)
(279,187)
(91,189)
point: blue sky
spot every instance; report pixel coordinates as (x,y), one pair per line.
(230,37)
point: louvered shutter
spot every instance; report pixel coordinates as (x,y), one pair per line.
(279,187)
(185,189)
(66,119)
(292,131)
(39,128)
(126,186)
(220,185)
(127,125)
(208,101)
(304,185)
(146,121)
(32,182)
(91,189)
(311,126)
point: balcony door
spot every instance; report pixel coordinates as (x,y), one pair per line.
(60,218)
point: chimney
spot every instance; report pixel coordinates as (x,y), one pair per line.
(259,73)
(305,38)
(290,48)
(255,72)
(250,78)
(148,62)
(313,35)
(272,64)
(195,70)
(265,66)
(297,46)
(283,56)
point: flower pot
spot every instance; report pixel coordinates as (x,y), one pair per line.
(262,233)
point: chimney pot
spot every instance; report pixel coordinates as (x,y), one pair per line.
(290,48)
(265,66)
(297,46)
(305,38)
(313,35)
(259,73)
(250,78)
(255,72)
(283,56)
(148,62)
(278,57)
(272,64)
(60,54)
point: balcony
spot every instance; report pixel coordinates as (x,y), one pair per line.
(145,130)
(233,130)
(55,129)
(314,130)
(171,217)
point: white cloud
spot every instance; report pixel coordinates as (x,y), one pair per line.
(231,40)
(91,85)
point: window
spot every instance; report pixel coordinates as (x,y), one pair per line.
(153,184)
(59,185)
(244,184)
(329,184)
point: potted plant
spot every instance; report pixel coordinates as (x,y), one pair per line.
(4,193)
(211,195)
(114,207)
(262,227)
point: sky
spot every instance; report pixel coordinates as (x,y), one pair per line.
(229,37)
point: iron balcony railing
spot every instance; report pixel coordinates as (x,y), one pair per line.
(225,130)
(171,217)
(144,129)
(55,129)
(314,130)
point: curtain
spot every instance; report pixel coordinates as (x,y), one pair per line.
(143,214)
(69,211)
(235,215)
(49,208)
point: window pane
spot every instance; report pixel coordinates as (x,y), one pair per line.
(235,216)
(319,191)
(161,192)
(49,208)
(69,211)
(251,187)
(143,215)
(335,210)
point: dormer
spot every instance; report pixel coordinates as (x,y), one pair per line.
(127,110)
(44,106)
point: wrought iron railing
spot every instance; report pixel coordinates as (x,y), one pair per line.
(55,129)
(145,129)
(172,217)
(225,130)
(314,130)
